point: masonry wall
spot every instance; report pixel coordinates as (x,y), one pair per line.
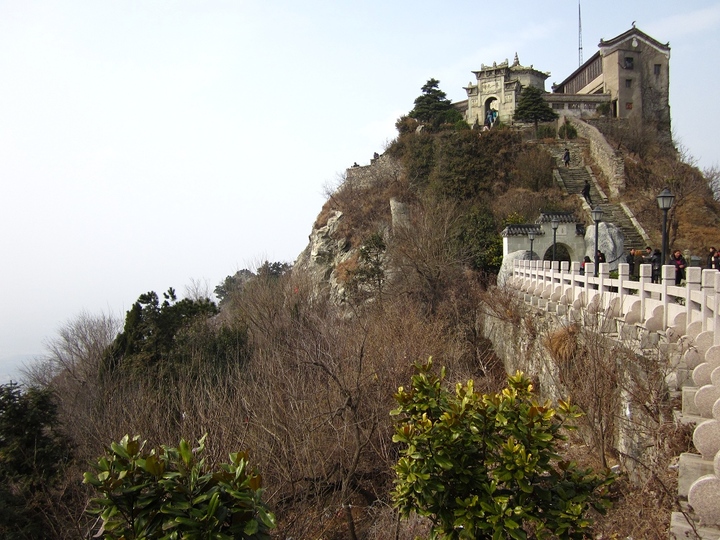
(604,156)
(518,336)
(381,168)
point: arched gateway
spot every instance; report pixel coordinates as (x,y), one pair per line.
(569,237)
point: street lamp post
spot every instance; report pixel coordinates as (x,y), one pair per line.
(531,237)
(665,200)
(555,223)
(597,215)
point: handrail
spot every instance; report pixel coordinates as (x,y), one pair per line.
(658,306)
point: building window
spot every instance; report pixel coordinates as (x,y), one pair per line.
(558,105)
(628,83)
(573,105)
(628,105)
(629,62)
(656,69)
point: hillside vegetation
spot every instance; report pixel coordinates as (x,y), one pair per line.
(302,383)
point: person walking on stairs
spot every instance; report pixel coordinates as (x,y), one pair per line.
(586,193)
(566,158)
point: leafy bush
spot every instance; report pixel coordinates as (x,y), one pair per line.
(546,131)
(461,125)
(485,466)
(567,131)
(168,493)
(603,109)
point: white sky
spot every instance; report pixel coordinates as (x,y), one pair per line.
(145,144)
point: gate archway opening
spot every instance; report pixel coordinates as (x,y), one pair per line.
(562,253)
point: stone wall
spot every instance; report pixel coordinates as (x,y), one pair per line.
(519,336)
(604,156)
(366,176)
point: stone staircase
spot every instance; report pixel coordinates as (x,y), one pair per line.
(573,180)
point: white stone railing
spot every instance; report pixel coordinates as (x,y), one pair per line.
(688,316)
(691,309)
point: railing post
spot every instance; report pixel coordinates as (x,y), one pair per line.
(645,280)
(693,275)
(708,290)
(668,276)
(574,273)
(603,277)
(716,314)
(623,276)
(589,273)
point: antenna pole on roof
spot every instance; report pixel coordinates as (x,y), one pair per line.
(580,59)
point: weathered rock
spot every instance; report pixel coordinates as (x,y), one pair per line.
(507,264)
(611,242)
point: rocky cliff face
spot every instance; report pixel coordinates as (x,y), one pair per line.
(328,249)
(324,252)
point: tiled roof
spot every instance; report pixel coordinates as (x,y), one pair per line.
(562,217)
(521,229)
(634,32)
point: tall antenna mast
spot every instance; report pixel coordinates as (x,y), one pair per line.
(580,60)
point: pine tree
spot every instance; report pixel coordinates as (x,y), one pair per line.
(433,106)
(533,108)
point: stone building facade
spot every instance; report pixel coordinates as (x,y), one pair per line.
(633,70)
(498,88)
(629,73)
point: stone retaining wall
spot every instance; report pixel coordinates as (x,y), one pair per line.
(603,154)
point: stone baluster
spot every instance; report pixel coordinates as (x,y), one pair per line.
(645,280)
(623,278)
(707,283)
(704,493)
(668,279)
(693,282)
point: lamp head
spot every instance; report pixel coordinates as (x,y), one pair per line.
(665,199)
(597,214)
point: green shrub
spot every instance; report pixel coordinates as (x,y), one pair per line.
(567,131)
(603,109)
(461,125)
(485,466)
(546,131)
(168,493)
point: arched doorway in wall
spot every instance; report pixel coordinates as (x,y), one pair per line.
(491,111)
(562,253)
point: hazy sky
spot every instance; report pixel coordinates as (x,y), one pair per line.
(145,144)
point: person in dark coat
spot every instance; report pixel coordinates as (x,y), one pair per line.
(656,264)
(711,259)
(680,265)
(566,158)
(630,260)
(586,192)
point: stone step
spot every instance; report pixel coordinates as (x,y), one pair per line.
(680,528)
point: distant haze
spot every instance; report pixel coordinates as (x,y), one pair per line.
(147,144)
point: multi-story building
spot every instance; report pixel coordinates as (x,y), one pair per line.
(628,76)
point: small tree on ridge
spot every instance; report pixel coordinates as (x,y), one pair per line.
(533,108)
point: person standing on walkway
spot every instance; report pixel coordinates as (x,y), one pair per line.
(680,264)
(656,265)
(566,158)
(630,260)
(639,260)
(711,259)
